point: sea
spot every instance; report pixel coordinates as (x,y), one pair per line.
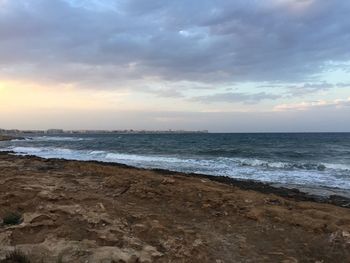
(301,159)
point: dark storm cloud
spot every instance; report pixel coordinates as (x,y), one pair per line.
(208,41)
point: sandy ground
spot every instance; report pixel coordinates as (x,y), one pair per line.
(90,212)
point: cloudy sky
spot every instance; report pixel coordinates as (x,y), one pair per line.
(244,65)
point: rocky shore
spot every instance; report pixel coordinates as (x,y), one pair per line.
(70,211)
(6,138)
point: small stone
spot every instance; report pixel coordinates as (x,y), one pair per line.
(290,260)
(168,181)
(197,242)
(346,234)
(102,206)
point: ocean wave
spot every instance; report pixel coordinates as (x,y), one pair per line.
(50,152)
(331,175)
(289,165)
(44,152)
(55,138)
(221,152)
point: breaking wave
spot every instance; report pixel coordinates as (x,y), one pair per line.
(55,139)
(320,174)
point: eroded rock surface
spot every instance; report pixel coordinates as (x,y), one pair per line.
(89,212)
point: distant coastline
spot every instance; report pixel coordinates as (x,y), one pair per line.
(6,138)
(129,131)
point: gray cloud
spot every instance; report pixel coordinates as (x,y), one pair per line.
(301,90)
(102,45)
(236,97)
(166,93)
(307,88)
(343,85)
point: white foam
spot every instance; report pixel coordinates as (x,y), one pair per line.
(56,138)
(337,166)
(254,169)
(25,150)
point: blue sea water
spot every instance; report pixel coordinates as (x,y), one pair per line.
(306,159)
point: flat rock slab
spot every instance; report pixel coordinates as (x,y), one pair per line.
(91,212)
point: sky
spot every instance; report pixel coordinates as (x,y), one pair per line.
(224,66)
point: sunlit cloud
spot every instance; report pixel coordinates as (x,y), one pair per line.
(18,96)
(167,56)
(303,106)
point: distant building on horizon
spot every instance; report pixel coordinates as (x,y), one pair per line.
(130,131)
(54,131)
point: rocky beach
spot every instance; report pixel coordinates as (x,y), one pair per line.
(55,210)
(174,131)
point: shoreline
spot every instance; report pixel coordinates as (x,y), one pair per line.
(286,191)
(110,211)
(317,193)
(312,194)
(7,137)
